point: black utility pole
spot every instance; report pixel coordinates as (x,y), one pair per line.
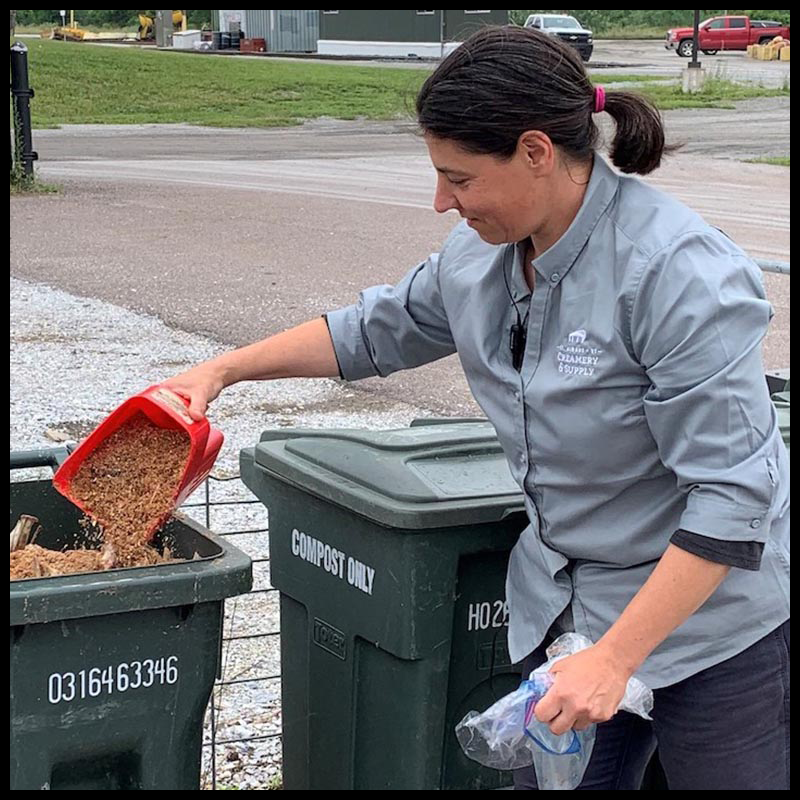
(22,94)
(695,64)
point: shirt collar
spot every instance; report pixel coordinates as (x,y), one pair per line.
(556,262)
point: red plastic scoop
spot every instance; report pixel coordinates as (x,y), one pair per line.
(164,409)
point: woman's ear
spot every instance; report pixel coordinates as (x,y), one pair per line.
(537,151)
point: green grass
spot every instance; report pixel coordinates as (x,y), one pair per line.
(778,162)
(84,83)
(716,93)
(23,186)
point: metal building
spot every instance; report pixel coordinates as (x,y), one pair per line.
(420,34)
(284,31)
(403,34)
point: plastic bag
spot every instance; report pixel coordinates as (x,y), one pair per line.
(508,736)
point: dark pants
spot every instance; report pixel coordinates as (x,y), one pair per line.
(726,727)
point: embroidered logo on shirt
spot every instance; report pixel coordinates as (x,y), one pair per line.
(576,357)
(577,337)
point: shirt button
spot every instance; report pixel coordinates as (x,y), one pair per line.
(554,277)
(756,523)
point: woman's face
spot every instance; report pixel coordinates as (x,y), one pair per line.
(497,198)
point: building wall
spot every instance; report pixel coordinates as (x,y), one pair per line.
(459,25)
(285,31)
(404,26)
(224,19)
(380,26)
(361,32)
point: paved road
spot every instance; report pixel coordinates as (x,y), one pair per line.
(650,56)
(238,234)
(755,128)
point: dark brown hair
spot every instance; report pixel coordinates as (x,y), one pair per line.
(505,80)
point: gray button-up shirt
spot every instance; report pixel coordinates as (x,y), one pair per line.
(640,409)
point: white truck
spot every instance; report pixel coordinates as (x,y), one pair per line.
(568,29)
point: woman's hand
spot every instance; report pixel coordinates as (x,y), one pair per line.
(200,385)
(588,687)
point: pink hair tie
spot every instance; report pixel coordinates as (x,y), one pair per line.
(599,99)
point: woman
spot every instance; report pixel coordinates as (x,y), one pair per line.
(613,339)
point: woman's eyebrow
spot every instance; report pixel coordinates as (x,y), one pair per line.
(449,171)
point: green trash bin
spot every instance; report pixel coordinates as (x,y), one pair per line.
(781,401)
(778,380)
(111,672)
(389,550)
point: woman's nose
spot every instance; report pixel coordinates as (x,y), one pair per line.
(443,198)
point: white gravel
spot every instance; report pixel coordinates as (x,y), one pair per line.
(72,361)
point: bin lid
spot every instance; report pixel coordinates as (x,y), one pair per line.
(418,477)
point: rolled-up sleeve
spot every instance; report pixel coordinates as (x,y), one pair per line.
(392,328)
(698,317)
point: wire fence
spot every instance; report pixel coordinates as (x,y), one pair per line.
(210,506)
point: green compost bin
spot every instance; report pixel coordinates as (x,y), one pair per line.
(111,672)
(389,550)
(781,401)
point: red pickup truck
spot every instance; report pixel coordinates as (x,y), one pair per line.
(724,33)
